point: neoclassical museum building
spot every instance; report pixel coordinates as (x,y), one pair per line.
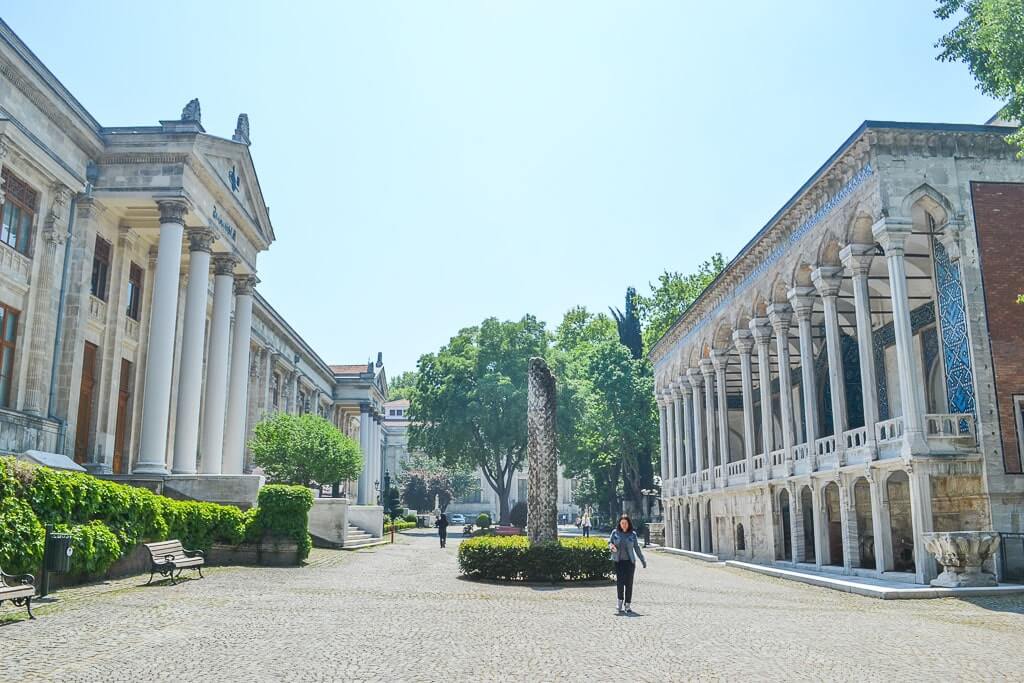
(855,377)
(131,336)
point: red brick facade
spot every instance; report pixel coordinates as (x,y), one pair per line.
(999,217)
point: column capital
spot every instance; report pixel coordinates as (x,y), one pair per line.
(675,390)
(695,377)
(201,239)
(801,299)
(949,236)
(224,264)
(892,233)
(245,285)
(780,316)
(827,279)
(364,407)
(858,258)
(707,368)
(762,331)
(173,210)
(719,359)
(744,341)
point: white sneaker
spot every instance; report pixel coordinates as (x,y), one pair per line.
(618,606)
(629,610)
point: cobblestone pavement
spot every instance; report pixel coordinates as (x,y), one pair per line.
(399,613)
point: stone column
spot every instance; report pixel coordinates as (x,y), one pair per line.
(780,316)
(707,369)
(921,520)
(892,234)
(190,373)
(818,513)
(365,480)
(696,382)
(40,351)
(160,354)
(879,526)
(848,520)
(662,430)
(669,526)
(857,258)
(744,341)
(796,522)
(677,406)
(720,360)
(689,466)
(211,448)
(802,300)
(238,388)
(670,433)
(542,518)
(828,279)
(763,337)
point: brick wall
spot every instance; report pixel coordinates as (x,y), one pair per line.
(999,218)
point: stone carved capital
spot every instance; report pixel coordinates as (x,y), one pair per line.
(707,368)
(802,299)
(858,258)
(762,331)
(744,341)
(827,279)
(695,377)
(201,239)
(780,316)
(224,264)
(172,210)
(892,233)
(719,359)
(245,285)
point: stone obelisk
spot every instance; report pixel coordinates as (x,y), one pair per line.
(542,457)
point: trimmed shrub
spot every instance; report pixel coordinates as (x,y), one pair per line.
(410,518)
(483,520)
(283,510)
(21,537)
(512,558)
(399,525)
(517,515)
(95,547)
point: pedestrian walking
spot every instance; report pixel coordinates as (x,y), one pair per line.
(625,548)
(585,524)
(442,528)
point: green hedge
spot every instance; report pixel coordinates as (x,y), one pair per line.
(512,558)
(399,525)
(107,519)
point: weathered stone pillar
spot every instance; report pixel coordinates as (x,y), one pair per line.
(744,341)
(670,433)
(796,522)
(879,524)
(720,360)
(857,258)
(696,382)
(780,316)
(542,454)
(848,524)
(365,477)
(763,337)
(238,386)
(827,279)
(190,373)
(921,520)
(707,369)
(817,515)
(160,355)
(892,234)
(678,466)
(689,466)
(212,442)
(663,438)
(802,301)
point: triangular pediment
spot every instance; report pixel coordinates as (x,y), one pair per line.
(229,169)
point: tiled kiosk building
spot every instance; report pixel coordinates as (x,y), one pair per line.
(855,377)
(131,337)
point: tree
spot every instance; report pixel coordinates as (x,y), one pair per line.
(468,409)
(401,385)
(422,479)
(628,325)
(670,298)
(989,39)
(304,449)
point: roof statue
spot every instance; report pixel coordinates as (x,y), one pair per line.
(192,112)
(380,359)
(242,129)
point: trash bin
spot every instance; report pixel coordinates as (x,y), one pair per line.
(58,552)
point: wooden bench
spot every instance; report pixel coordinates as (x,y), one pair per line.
(19,589)
(167,557)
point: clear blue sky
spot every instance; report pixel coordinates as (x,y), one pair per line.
(429,164)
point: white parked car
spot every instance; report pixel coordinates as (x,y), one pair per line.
(456,518)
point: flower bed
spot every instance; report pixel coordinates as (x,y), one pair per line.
(512,558)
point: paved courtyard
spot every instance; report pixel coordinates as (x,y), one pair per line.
(399,613)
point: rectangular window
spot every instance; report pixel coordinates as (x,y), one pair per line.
(100,269)
(8,335)
(19,211)
(134,292)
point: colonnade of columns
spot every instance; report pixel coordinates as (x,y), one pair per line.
(371,442)
(222,399)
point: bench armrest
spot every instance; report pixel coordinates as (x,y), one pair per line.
(24,579)
(195,553)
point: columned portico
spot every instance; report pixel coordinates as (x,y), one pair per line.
(160,354)
(827,279)
(217,367)
(857,258)
(802,301)
(186,432)
(238,387)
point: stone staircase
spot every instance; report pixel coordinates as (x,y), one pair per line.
(357,538)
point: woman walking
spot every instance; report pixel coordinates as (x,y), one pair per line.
(585,523)
(625,547)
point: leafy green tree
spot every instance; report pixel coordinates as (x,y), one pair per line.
(586,494)
(304,449)
(401,385)
(672,296)
(628,325)
(468,409)
(989,39)
(423,478)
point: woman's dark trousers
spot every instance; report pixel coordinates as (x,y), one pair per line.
(624,570)
(442,532)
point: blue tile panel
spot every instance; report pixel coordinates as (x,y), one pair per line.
(956,347)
